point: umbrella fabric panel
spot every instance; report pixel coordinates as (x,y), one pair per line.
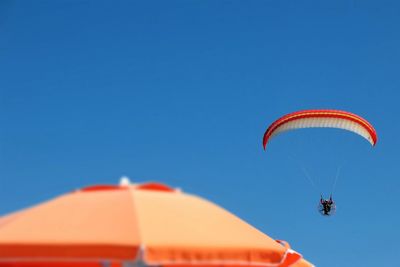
(303,263)
(90,224)
(178,227)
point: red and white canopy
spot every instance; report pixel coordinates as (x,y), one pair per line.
(322,118)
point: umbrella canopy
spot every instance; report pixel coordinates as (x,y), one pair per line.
(135,225)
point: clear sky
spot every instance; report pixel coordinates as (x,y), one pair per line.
(181,92)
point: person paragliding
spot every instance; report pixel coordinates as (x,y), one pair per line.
(327,206)
(322,118)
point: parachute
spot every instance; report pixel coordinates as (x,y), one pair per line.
(321,118)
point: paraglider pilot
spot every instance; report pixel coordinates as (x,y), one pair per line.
(327,206)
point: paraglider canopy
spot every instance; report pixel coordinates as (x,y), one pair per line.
(322,118)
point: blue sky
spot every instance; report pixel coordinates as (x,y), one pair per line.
(181,92)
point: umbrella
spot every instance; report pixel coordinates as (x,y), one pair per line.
(147,224)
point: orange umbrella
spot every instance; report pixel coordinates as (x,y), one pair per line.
(135,225)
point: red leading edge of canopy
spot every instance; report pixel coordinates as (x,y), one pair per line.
(319,113)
